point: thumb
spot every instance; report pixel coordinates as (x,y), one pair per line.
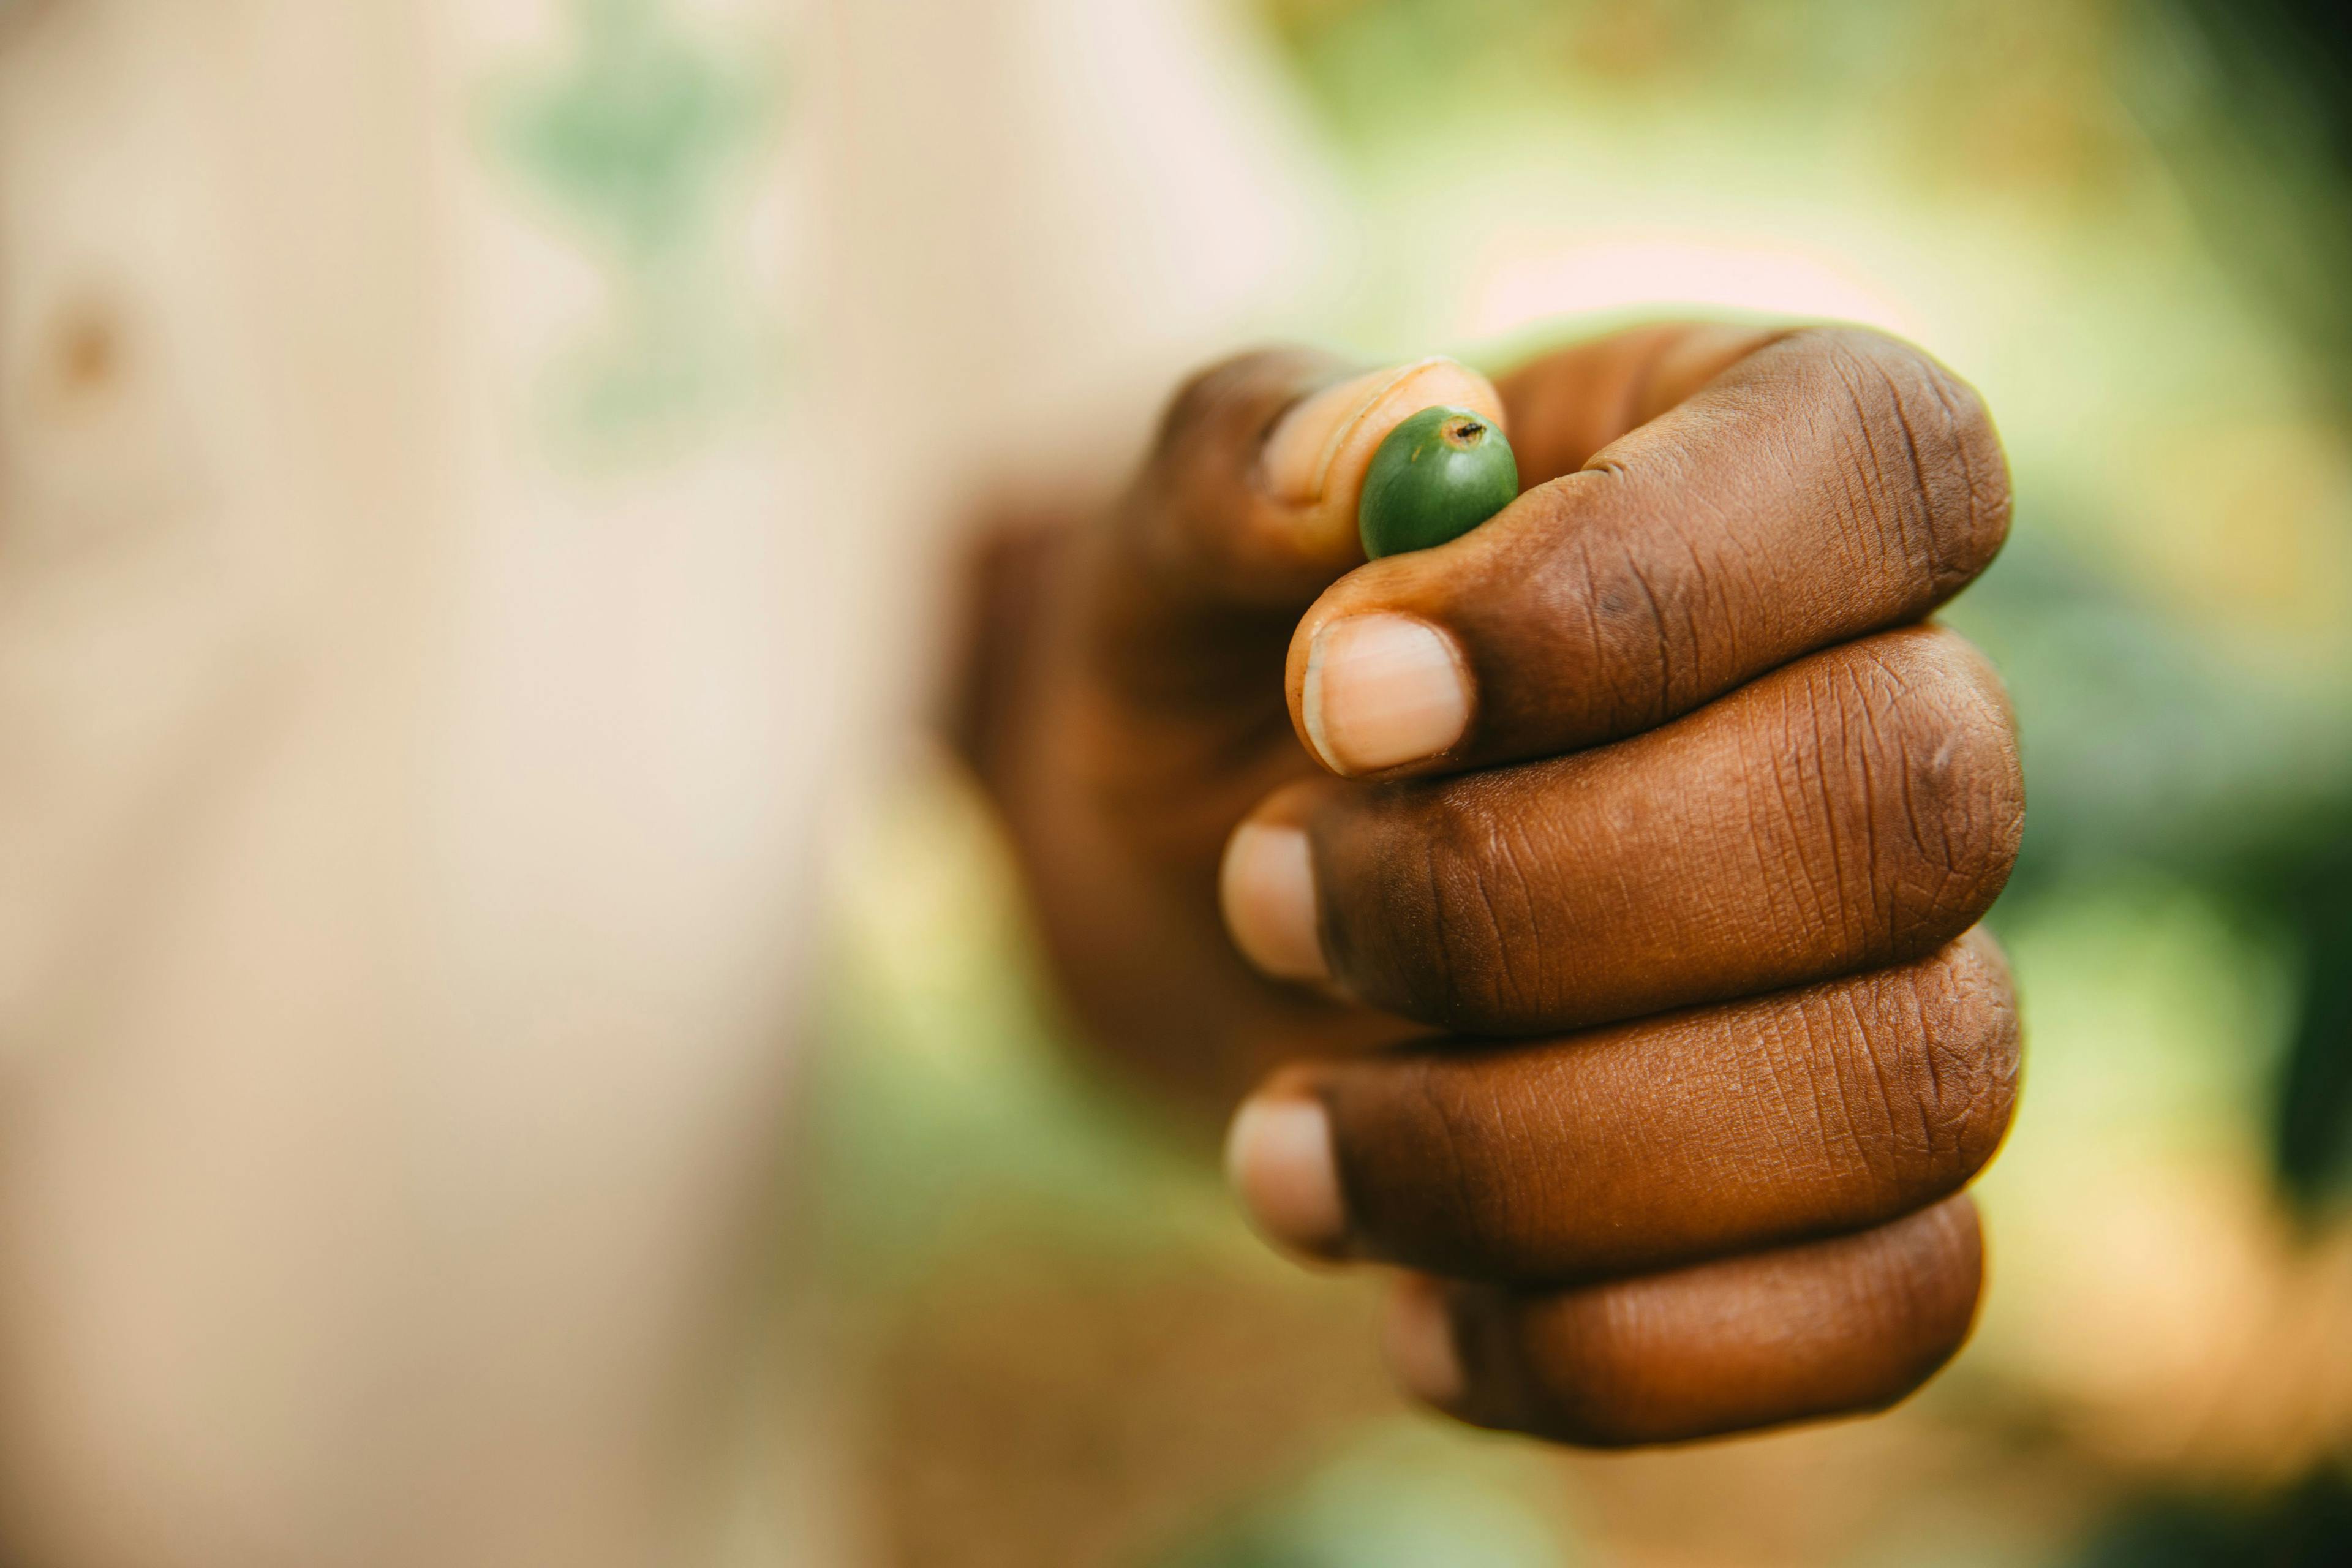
(1246,511)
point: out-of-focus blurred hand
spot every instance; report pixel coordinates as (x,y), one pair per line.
(1587,900)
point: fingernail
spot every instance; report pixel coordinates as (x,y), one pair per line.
(1303,455)
(1383,690)
(1278,1158)
(1267,887)
(1418,1342)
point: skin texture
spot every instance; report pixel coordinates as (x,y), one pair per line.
(1643,1005)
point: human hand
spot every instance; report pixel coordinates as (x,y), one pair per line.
(1605,877)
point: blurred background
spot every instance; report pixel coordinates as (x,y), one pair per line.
(2129,222)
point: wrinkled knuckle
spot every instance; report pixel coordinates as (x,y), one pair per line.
(1946,811)
(1978,1035)
(1978,525)
(1627,612)
(1661,660)
(1838,1070)
(1451,934)
(1956,1059)
(1831,799)
(1925,458)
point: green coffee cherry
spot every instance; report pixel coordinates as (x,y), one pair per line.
(1439,475)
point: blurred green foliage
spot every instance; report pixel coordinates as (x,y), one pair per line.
(1399,1499)
(2310,1526)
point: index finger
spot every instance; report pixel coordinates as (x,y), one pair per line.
(1826,484)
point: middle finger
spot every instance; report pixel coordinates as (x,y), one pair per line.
(1859,809)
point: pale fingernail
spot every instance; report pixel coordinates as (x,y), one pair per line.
(1303,450)
(1278,1158)
(1267,887)
(1418,1342)
(1383,690)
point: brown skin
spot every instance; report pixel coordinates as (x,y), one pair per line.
(1703,868)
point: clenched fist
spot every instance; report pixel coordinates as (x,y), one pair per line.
(1585,906)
